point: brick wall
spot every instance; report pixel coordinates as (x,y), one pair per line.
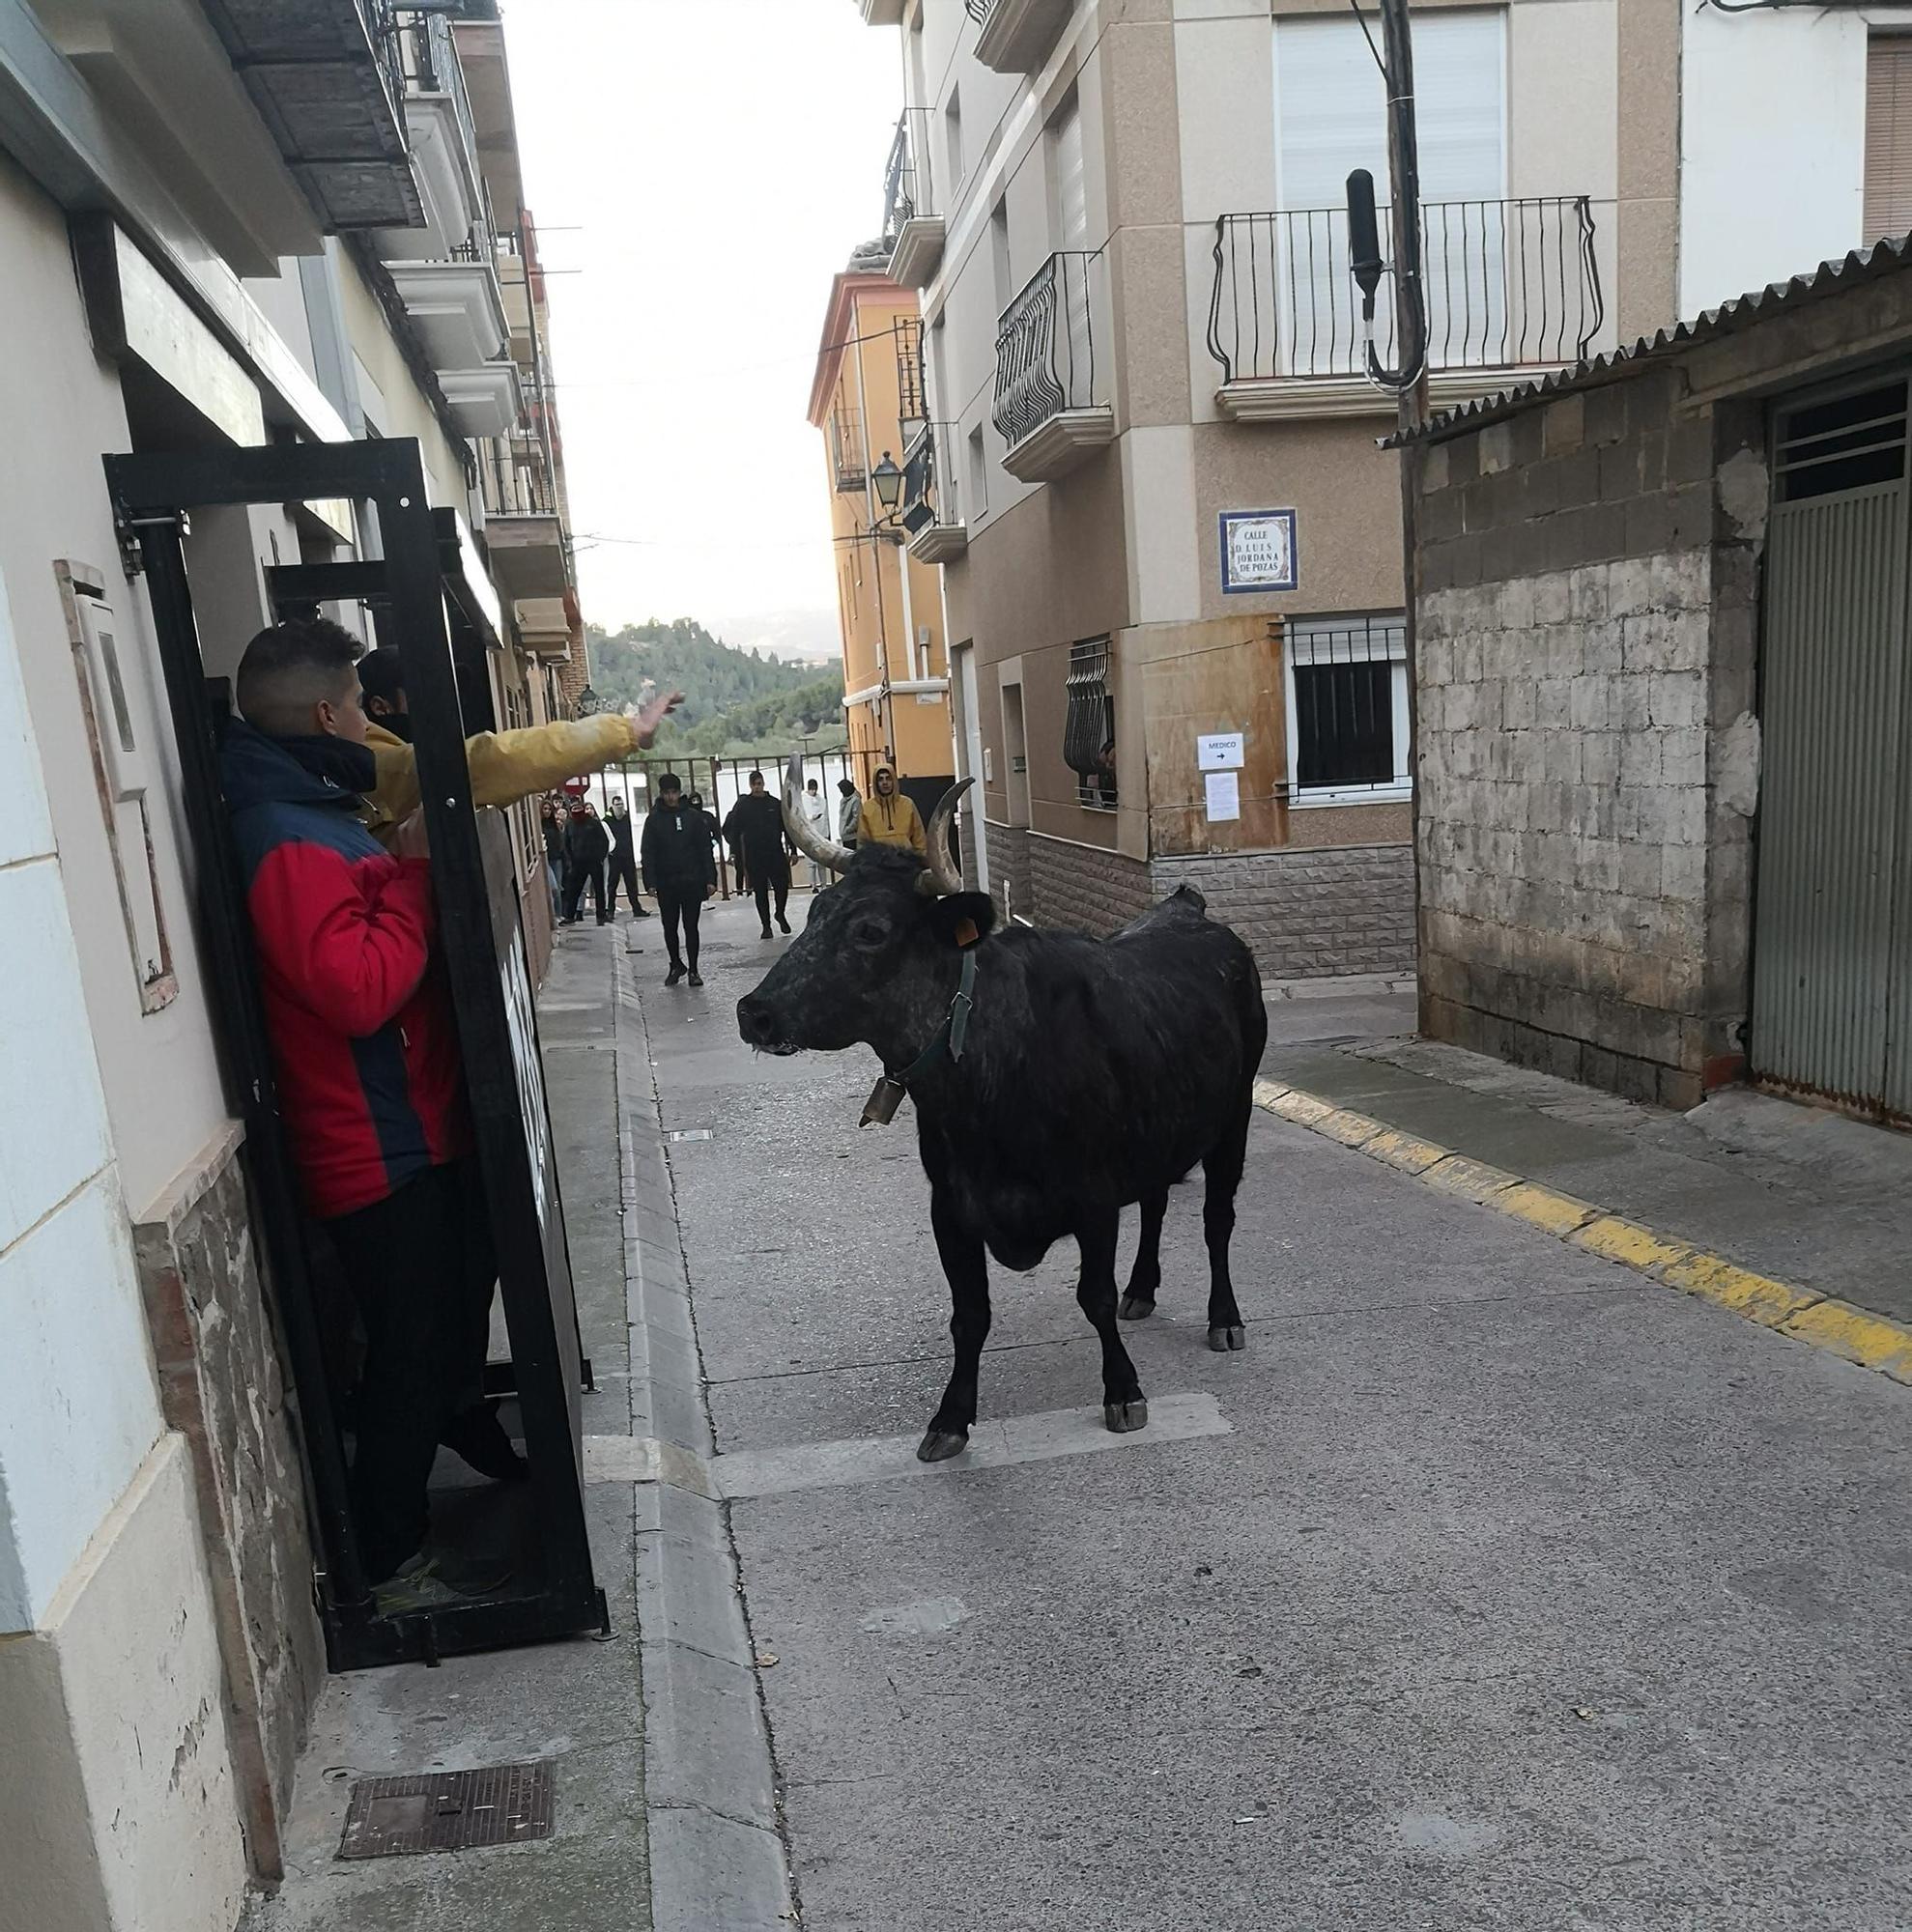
(1084,887)
(1309,913)
(1585,677)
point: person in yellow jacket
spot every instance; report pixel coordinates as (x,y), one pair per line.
(506,766)
(890,817)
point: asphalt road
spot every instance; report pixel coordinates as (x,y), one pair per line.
(1519,1591)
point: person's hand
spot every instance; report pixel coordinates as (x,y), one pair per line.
(411,842)
(710,891)
(648,716)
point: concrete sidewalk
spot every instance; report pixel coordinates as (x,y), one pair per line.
(1797,1193)
(578,1703)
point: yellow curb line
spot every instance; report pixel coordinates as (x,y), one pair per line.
(1822,1322)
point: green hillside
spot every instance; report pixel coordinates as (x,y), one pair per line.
(736,704)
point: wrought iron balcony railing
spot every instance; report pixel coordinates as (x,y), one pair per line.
(515,476)
(932,491)
(848,456)
(904,180)
(1510,284)
(1046,347)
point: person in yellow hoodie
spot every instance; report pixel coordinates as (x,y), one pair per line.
(890,817)
(506,766)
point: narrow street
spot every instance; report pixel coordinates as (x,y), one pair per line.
(1494,1585)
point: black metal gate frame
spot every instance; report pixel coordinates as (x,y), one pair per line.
(151,496)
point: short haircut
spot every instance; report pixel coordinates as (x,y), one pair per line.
(292,667)
(756,777)
(382,675)
(670,781)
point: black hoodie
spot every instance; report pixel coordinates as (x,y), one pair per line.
(677,853)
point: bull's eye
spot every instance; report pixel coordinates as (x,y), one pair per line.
(869,935)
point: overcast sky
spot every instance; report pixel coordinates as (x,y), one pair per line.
(705,165)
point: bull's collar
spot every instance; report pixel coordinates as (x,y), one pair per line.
(950,1035)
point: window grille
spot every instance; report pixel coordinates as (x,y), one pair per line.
(1349,678)
(1087,742)
(1849,443)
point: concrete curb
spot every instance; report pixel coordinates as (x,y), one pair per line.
(1822,1322)
(716,1854)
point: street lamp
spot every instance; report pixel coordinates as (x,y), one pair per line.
(888,480)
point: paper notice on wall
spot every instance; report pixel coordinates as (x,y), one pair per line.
(1218,751)
(1224,795)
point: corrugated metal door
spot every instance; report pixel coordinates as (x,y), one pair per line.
(1832,984)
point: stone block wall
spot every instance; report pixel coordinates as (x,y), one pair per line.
(222,1388)
(1011,884)
(1585,646)
(1309,912)
(1085,887)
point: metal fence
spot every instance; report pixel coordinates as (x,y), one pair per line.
(515,477)
(847,454)
(1510,284)
(1045,346)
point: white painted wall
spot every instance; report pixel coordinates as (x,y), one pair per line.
(1772,146)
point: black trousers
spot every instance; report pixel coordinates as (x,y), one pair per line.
(763,883)
(574,891)
(622,871)
(421,1267)
(687,906)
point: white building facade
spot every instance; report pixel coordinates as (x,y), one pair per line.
(220,226)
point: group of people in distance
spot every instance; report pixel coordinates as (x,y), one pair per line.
(676,854)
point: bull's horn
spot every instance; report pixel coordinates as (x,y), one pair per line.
(942,878)
(797,828)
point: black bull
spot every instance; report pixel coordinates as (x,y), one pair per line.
(1094,1073)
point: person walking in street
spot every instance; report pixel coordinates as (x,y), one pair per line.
(623,866)
(680,870)
(754,830)
(850,810)
(587,846)
(890,817)
(551,822)
(371,1089)
(818,816)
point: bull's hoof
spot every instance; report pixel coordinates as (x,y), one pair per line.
(940,1444)
(1222,1340)
(1124,1418)
(1136,1308)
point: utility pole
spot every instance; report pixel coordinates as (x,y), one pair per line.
(1408,377)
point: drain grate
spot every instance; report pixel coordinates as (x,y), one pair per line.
(448,1811)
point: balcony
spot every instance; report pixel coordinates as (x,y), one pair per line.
(487,401)
(911,227)
(325,81)
(849,454)
(1512,287)
(524,527)
(932,504)
(1017,35)
(1050,404)
(444,146)
(881,12)
(545,626)
(456,310)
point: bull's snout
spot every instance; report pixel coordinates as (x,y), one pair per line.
(756,1022)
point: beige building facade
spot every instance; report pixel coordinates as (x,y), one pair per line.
(1170,545)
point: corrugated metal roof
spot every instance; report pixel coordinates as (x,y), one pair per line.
(1829,278)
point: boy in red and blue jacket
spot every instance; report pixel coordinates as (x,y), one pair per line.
(370,1084)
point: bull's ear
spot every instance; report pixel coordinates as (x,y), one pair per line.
(961,919)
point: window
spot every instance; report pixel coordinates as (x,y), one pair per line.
(1347,710)
(1088,735)
(1888,136)
(1852,442)
(1332,117)
(999,254)
(1069,180)
(953,147)
(979,478)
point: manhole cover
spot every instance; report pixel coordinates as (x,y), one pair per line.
(448,1811)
